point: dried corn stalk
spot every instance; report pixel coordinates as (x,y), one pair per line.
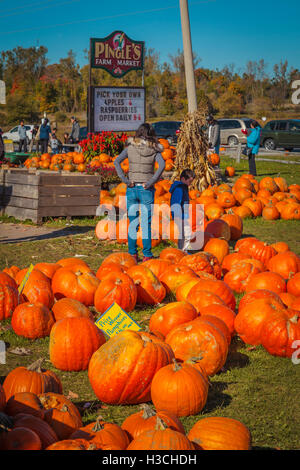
(191,151)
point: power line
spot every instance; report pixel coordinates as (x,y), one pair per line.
(154,10)
(38,9)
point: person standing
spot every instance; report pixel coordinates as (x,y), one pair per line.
(253,143)
(213,134)
(34,139)
(74,136)
(2,149)
(179,207)
(142,152)
(22,137)
(45,132)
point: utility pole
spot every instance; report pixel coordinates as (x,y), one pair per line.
(188,57)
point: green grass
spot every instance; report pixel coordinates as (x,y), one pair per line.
(260,390)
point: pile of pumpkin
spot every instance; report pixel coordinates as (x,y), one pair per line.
(70,161)
(187,343)
(270,198)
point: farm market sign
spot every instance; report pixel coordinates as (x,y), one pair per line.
(117,54)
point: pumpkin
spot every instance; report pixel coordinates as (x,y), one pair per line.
(31,379)
(103,435)
(48,268)
(179,389)
(183,290)
(242,211)
(259,294)
(176,275)
(72,343)
(161,438)
(287,299)
(9,299)
(37,425)
(291,211)
(157,266)
(293,285)
(230,171)
(203,262)
(32,320)
(105,229)
(122,258)
(255,205)
(280,247)
(231,259)
(222,312)
(269,184)
(267,280)
(107,268)
(67,262)
(61,414)
(281,183)
(75,282)
(121,370)
(199,339)
(240,275)
(280,333)
(150,290)
(255,249)
(24,402)
(116,287)
(217,287)
(65,308)
(173,314)
(217,247)
(20,439)
(11,271)
(213,211)
(270,212)
(250,319)
(2,398)
(226,199)
(235,223)
(71,444)
(171,254)
(204,298)
(218,228)
(220,433)
(145,420)
(286,264)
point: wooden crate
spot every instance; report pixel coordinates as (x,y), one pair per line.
(36,194)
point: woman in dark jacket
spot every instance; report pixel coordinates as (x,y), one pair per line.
(253,142)
(45,132)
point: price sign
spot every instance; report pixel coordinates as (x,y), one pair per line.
(115,320)
(25,278)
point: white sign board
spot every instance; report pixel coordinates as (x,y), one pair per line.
(118,109)
(2,92)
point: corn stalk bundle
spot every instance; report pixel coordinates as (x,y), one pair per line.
(191,151)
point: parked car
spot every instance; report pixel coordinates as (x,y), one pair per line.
(281,133)
(13,135)
(234,131)
(167,130)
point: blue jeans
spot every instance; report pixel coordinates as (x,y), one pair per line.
(136,196)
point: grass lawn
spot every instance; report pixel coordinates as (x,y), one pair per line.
(260,390)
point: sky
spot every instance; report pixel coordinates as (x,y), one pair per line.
(223,32)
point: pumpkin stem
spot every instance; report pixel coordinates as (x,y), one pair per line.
(147,411)
(160,425)
(177,366)
(64,408)
(36,366)
(98,426)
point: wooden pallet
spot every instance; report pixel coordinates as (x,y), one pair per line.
(37,194)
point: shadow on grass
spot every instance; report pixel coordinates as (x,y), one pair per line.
(67,231)
(216,397)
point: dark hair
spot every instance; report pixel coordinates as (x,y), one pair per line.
(187,173)
(255,123)
(147,132)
